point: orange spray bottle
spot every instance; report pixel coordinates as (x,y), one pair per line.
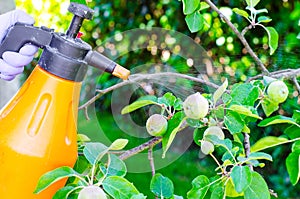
(38,126)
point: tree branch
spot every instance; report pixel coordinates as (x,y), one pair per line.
(140,148)
(151,160)
(296,84)
(286,73)
(240,36)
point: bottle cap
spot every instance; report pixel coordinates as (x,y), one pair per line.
(121,72)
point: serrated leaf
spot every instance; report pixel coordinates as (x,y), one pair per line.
(258,188)
(273,39)
(278,119)
(244,111)
(200,188)
(118,144)
(53,176)
(195,21)
(252,3)
(268,142)
(219,92)
(244,94)
(293,167)
(234,122)
(119,188)
(269,106)
(241,178)
(94,151)
(264,19)
(141,102)
(189,6)
(64,192)
(240,12)
(174,125)
(161,186)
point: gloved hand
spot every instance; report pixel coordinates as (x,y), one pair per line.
(13,63)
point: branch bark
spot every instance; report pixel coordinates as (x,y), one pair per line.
(240,36)
(286,73)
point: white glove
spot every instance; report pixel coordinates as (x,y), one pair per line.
(13,63)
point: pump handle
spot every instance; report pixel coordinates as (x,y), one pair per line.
(21,34)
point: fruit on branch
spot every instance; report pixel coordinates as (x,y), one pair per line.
(156,125)
(92,192)
(207,147)
(195,106)
(214,130)
(278,91)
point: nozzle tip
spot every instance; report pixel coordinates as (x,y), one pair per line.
(121,72)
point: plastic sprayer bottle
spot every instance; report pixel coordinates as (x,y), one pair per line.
(38,126)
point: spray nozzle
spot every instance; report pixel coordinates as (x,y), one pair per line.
(64,55)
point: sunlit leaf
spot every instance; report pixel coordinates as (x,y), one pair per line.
(219,92)
(252,3)
(243,110)
(141,102)
(118,144)
(264,19)
(203,5)
(240,12)
(241,178)
(258,188)
(269,106)
(234,122)
(189,6)
(273,39)
(200,188)
(64,192)
(94,151)
(268,142)
(278,119)
(119,188)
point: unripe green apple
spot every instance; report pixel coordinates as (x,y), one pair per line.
(195,106)
(214,130)
(157,125)
(92,192)
(278,91)
(207,147)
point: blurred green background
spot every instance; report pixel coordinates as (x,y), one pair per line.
(105,32)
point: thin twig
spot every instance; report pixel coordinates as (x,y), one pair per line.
(245,30)
(296,84)
(240,36)
(286,73)
(151,160)
(140,148)
(140,77)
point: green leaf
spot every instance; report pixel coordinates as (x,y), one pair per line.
(189,6)
(203,6)
(252,3)
(195,21)
(278,119)
(168,99)
(119,188)
(79,1)
(256,12)
(234,122)
(244,111)
(241,178)
(293,167)
(296,116)
(64,192)
(264,19)
(178,104)
(198,134)
(244,94)
(273,39)
(174,125)
(230,190)
(138,196)
(226,143)
(82,138)
(200,187)
(226,98)
(118,144)
(53,176)
(258,188)
(296,146)
(292,131)
(94,151)
(268,142)
(218,193)
(240,12)
(219,92)
(161,186)
(116,167)
(141,102)
(269,106)
(260,156)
